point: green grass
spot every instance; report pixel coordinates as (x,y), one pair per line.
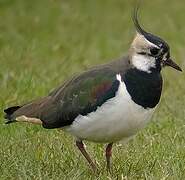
(44,42)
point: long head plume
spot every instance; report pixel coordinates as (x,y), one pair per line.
(138,27)
(150,45)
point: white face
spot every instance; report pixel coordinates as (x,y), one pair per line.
(141,57)
(143,62)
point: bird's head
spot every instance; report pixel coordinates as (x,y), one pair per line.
(148,52)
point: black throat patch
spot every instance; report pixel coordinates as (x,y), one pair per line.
(144,88)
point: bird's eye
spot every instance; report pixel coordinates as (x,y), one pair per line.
(154,51)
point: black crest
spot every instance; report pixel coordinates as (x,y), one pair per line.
(150,37)
(138,27)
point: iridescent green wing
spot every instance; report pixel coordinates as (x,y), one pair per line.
(83,95)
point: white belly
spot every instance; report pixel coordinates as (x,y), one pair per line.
(117,119)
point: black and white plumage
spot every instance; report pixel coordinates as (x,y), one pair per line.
(108,103)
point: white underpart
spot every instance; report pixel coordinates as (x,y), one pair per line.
(143,63)
(117,119)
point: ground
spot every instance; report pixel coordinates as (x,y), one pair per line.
(43,43)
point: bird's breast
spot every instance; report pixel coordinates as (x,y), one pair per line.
(118,118)
(144,88)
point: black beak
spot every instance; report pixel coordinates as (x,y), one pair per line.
(170,62)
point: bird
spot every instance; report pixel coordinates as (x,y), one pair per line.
(107,103)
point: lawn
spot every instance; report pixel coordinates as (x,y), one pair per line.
(43,43)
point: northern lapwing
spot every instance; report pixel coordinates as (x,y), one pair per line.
(108,103)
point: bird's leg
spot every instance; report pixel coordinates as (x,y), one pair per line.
(81,147)
(108,154)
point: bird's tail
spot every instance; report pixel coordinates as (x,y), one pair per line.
(9,114)
(30,112)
